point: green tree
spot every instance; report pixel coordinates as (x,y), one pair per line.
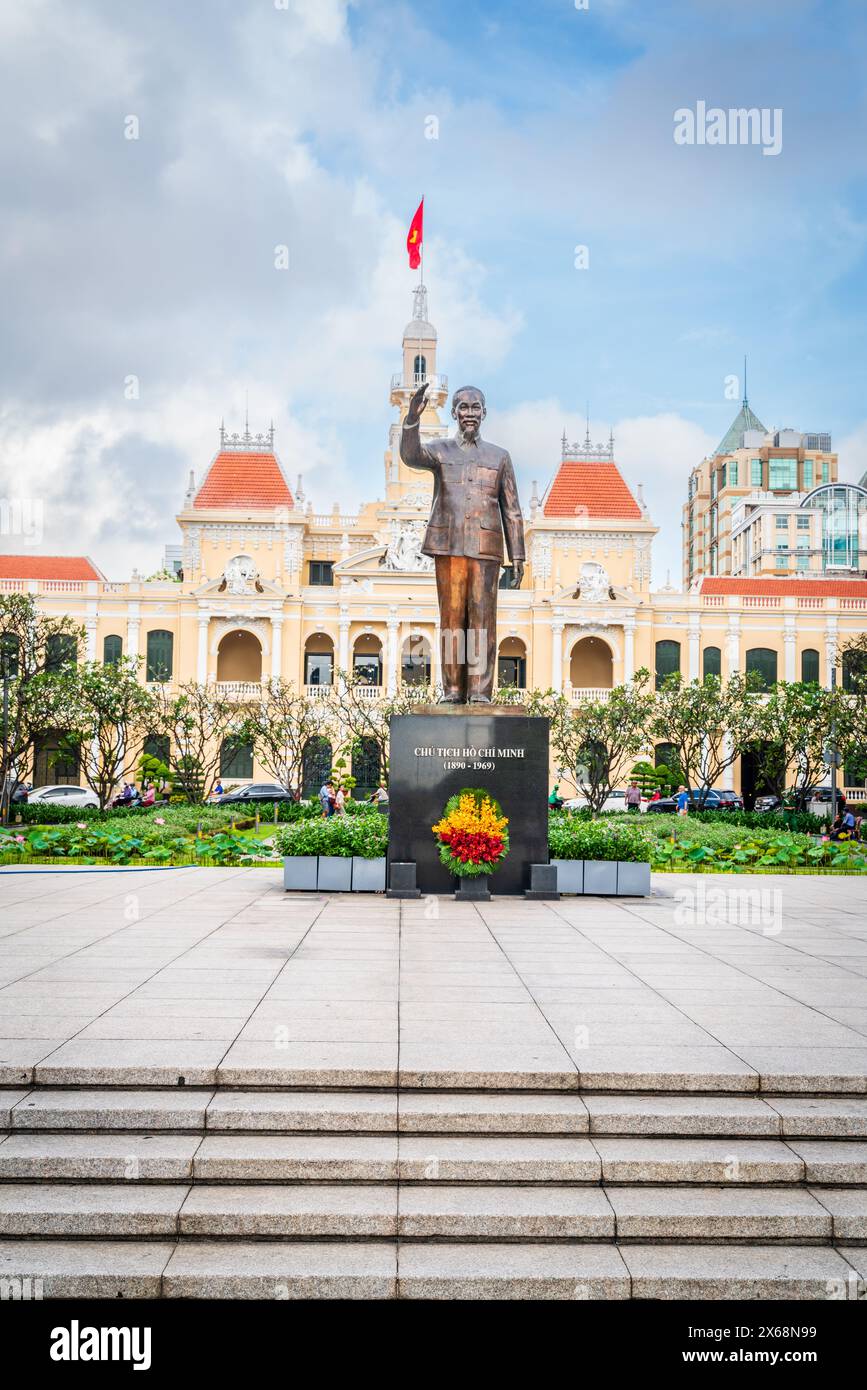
(709,723)
(195,719)
(354,717)
(597,741)
(29,643)
(794,726)
(279,726)
(107,712)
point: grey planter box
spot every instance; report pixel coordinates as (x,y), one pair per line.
(335,873)
(570,875)
(633,880)
(368,875)
(600,877)
(299,873)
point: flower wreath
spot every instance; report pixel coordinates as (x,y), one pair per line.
(472,834)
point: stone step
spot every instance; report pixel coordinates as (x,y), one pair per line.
(435,1211)
(381,1112)
(488,1158)
(415,1269)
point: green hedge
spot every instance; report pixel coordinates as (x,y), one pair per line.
(575,837)
(365,836)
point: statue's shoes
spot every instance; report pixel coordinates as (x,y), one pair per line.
(480,700)
(450,700)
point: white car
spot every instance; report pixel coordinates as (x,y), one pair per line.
(64,796)
(615,801)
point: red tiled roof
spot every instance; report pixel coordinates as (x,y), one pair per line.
(794,588)
(590,489)
(48,567)
(237,479)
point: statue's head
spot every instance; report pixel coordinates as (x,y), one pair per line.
(468,408)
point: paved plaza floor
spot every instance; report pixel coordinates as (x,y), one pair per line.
(217,976)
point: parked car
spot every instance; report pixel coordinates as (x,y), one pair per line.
(257,791)
(714,801)
(17,791)
(64,796)
(615,801)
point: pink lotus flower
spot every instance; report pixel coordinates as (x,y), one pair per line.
(159,820)
(19,840)
(81,825)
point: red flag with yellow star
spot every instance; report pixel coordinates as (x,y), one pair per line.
(414,237)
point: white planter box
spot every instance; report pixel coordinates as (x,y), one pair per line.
(570,875)
(633,880)
(299,873)
(368,875)
(335,873)
(600,877)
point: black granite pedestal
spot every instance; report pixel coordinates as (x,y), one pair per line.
(441,748)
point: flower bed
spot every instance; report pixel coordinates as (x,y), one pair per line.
(87,843)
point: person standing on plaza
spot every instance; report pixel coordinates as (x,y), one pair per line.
(682,799)
(633,797)
(326,798)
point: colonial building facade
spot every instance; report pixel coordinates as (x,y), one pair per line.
(266,586)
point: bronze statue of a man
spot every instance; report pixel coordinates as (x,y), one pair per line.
(475,501)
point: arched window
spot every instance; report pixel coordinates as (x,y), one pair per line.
(157,746)
(318,660)
(112,650)
(367,660)
(711,662)
(236,758)
(9,655)
(664,755)
(512,663)
(365,767)
(810,666)
(160,650)
(419,369)
(667,661)
(415,662)
(762,661)
(60,650)
(315,765)
(55,760)
(854,669)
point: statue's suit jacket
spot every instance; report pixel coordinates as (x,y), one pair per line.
(475,497)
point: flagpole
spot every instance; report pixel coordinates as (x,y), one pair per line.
(421,280)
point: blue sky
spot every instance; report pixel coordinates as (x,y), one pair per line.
(303,123)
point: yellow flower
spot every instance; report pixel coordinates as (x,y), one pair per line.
(472,818)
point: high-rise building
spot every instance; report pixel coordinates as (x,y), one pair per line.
(754,467)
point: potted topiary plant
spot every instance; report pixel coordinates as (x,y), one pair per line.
(473,840)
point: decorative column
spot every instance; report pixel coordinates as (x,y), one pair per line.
(628,647)
(789,656)
(391,652)
(133,623)
(830,647)
(733,643)
(557,656)
(436,673)
(90,638)
(276,646)
(694,636)
(343,640)
(202,661)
